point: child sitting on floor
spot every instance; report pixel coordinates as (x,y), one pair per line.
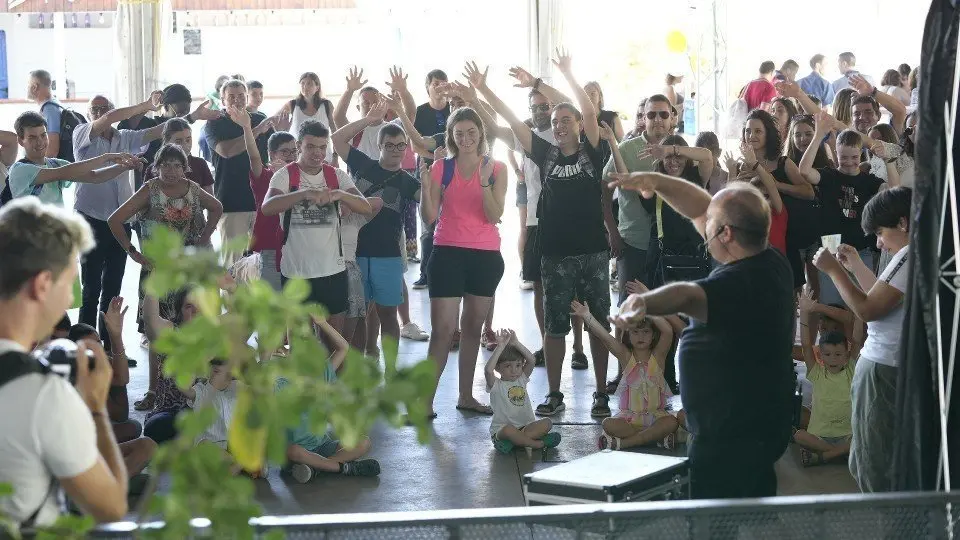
(830,371)
(513,421)
(642,418)
(309,453)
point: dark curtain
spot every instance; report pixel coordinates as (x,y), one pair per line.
(917,452)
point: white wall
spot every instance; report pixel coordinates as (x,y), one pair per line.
(89,56)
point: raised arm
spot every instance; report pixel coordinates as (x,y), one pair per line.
(355,82)
(590,126)
(100,125)
(606,194)
(486,113)
(418,141)
(526,80)
(8,147)
(597,330)
(153,323)
(685,197)
(810,154)
(792,89)
(489,369)
(242,118)
(878,302)
(806,332)
(898,113)
(478,80)
(680,297)
(398,84)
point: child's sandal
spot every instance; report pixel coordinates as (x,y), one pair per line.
(606,442)
(811,459)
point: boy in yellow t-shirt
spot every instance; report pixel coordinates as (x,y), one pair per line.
(830,371)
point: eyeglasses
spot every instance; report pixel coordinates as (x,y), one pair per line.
(287,152)
(398,147)
(542,107)
(171,166)
(654,114)
(103,109)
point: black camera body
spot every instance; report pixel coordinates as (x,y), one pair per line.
(60,357)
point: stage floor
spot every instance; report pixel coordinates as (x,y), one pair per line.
(459,468)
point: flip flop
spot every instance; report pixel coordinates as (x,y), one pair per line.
(479,409)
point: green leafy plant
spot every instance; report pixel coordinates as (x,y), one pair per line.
(202,482)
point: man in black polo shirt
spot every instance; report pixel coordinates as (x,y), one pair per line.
(734,358)
(232,167)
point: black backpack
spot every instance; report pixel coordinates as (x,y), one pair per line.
(13,365)
(6,195)
(69,120)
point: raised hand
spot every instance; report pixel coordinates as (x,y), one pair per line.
(632,312)
(378,111)
(826,262)
(729,160)
(473,74)
(880,150)
(156,100)
(393,103)
(822,124)
(355,80)
(579,310)
(398,80)
(848,256)
(240,116)
(643,183)
(636,287)
(440,153)
(564,61)
(749,156)
(788,89)
(204,112)
(807,302)
(505,336)
(113,318)
(523,77)
(466,92)
(607,134)
(861,85)
(282,121)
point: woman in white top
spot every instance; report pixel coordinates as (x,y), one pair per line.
(310,105)
(892,84)
(875,382)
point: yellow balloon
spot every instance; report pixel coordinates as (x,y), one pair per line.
(676,41)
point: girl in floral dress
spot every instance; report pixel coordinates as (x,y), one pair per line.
(173,201)
(643,392)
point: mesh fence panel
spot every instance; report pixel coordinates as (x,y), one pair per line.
(870,517)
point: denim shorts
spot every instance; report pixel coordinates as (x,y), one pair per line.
(566,277)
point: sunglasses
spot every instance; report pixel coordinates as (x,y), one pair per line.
(543,107)
(654,114)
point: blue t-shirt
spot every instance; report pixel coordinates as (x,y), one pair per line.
(51,113)
(23,174)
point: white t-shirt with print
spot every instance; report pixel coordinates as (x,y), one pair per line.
(883,335)
(511,404)
(313,247)
(51,434)
(531,174)
(222,401)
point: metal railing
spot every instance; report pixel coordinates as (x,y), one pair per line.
(897,516)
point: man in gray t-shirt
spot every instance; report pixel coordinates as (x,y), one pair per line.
(634,221)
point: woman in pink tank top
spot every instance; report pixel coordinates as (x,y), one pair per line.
(465,195)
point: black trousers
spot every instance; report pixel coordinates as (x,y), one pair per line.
(426,248)
(729,469)
(101,272)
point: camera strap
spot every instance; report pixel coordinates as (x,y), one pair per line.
(13,365)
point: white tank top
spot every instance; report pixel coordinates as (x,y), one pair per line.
(299,117)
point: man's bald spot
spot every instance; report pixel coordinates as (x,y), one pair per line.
(100,100)
(743,206)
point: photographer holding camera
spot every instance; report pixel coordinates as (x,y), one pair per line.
(51,433)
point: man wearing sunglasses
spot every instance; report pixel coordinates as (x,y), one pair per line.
(634,224)
(382,179)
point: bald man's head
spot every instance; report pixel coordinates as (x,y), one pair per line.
(744,209)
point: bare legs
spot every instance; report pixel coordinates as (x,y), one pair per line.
(443,317)
(631,436)
(299,454)
(529,436)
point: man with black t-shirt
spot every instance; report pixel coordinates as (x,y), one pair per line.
(232,167)
(735,360)
(571,230)
(429,118)
(844,193)
(378,243)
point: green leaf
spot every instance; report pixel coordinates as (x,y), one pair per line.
(296,290)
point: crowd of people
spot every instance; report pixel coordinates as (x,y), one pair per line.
(720,261)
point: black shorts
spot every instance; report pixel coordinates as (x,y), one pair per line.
(455,272)
(530,271)
(328,291)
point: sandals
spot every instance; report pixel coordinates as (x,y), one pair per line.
(146,404)
(613,385)
(601,407)
(478,408)
(606,442)
(503,446)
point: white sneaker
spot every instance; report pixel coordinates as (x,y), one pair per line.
(412,331)
(526,285)
(301,473)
